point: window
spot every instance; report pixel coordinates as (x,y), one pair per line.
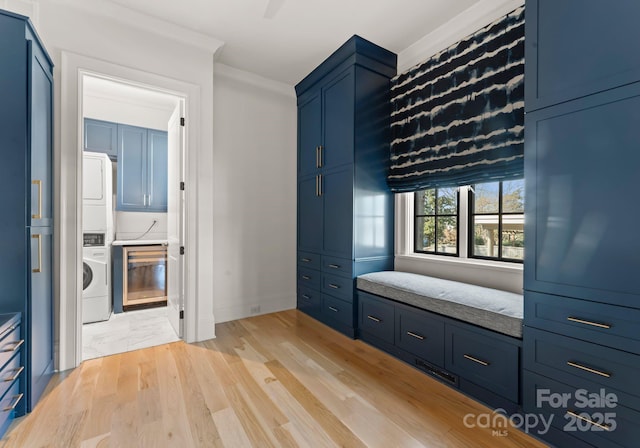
(497,220)
(480,221)
(436,221)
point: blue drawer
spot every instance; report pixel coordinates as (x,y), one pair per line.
(567,359)
(10,373)
(308,278)
(337,310)
(604,324)
(376,317)
(420,333)
(483,358)
(341,287)
(600,425)
(309,260)
(310,302)
(8,404)
(335,265)
(10,344)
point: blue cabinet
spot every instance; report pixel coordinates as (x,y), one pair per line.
(582,301)
(26,232)
(101,136)
(142,169)
(345,210)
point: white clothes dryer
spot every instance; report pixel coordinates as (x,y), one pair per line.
(96,279)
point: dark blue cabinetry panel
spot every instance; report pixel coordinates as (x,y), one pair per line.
(343,199)
(26,232)
(101,136)
(576,48)
(582,167)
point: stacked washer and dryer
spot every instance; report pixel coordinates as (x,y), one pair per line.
(98,234)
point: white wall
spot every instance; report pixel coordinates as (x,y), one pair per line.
(254,176)
(109,109)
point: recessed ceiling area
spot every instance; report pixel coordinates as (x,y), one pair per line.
(285,39)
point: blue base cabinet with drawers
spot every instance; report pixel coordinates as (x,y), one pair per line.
(582,295)
(11,368)
(345,210)
(26,225)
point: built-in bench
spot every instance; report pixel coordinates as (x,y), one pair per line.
(466,335)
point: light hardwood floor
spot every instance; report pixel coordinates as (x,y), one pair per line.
(276,380)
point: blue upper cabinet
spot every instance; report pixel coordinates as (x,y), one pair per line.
(142,170)
(579,47)
(309,134)
(338,117)
(101,136)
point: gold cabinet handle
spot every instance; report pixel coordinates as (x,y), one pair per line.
(39,184)
(318,157)
(12,406)
(306,260)
(17,373)
(584,419)
(39,238)
(415,335)
(317,189)
(335,310)
(331,285)
(375,319)
(588,322)
(304,296)
(320,148)
(476,360)
(588,369)
(15,347)
(334,266)
(306,277)
(319,184)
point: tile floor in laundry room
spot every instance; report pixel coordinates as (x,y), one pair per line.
(127,331)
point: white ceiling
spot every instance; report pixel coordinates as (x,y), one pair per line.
(285,39)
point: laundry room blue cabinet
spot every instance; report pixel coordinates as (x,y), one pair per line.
(101,136)
(142,169)
(26,226)
(345,210)
(581,299)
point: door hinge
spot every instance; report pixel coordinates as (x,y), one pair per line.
(181,314)
(181,250)
(181,121)
(181,186)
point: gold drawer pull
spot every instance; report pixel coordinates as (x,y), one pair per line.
(17,373)
(416,335)
(587,322)
(39,268)
(334,266)
(335,310)
(306,277)
(13,405)
(479,361)
(375,319)
(306,260)
(588,369)
(331,285)
(584,419)
(39,184)
(304,296)
(15,347)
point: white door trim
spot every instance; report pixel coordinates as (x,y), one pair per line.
(68,193)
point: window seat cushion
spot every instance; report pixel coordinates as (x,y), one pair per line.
(496,310)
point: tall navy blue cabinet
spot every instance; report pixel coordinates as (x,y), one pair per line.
(345,210)
(582,294)
(26,224)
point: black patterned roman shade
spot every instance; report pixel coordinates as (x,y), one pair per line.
(458,118)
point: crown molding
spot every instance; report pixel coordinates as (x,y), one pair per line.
(147,23)
(467,22)
(253,79)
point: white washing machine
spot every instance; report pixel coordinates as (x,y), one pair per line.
(96,278)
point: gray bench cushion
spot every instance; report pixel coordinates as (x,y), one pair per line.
(496,310)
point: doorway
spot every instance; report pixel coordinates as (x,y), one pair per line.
(133,215)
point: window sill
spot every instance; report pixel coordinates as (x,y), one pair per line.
(472,263)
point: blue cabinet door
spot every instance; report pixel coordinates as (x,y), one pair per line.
(132,168)
(582,172)
(339,118)
(101,136)
(579,47)
(40,314)
(309,134)
(157,159)
(41,138)
(337,191)
(309,215)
